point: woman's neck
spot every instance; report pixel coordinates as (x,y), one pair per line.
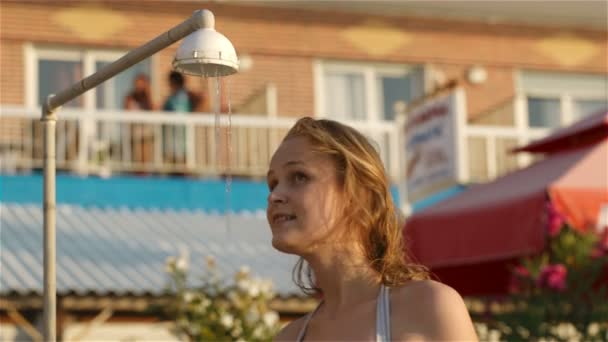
(346,279)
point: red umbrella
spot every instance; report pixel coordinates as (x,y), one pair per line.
(470,239)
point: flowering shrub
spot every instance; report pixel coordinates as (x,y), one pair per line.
(560,294)
(218,311)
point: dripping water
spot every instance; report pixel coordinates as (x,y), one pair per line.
(217,108)
(229,159)
(216,113)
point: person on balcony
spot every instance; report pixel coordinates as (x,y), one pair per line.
(330,203)
(175,135)
(142,135)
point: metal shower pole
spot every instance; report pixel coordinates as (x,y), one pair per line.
(49,118)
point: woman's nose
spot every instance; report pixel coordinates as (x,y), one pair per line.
(277,196)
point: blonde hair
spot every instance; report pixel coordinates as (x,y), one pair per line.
(370,205)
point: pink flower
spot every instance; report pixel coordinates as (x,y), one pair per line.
(517,282)
(603,243)
(553,277)
(601,248)
(555,220)
(521,271)
(597,253)
(555,225)
(514,286)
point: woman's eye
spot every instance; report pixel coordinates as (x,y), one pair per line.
(300,177)
(271,185)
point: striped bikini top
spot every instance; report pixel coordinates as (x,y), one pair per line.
(383,317)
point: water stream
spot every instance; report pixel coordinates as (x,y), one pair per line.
(229,159)
(219,151)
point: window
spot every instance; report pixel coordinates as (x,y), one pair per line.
(53,70)
(584,108)
(543,112)
(558,99)
(58,74)
(545,101)
(364,92)
(345,96)
(365,96)
(111,95)
(391,90)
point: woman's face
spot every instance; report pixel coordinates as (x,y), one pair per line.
(141,84)
(305,201)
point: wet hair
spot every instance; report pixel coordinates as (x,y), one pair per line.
(177,79)
(370,212)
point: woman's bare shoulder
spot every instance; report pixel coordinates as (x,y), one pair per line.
(290,331)
(425,288)
(432,311)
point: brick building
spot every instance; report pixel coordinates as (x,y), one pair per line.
(525,68)
(540,67)
(346,61)
(295,48)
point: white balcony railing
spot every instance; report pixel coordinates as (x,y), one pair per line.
(489,150)
(159,142)
(102,142)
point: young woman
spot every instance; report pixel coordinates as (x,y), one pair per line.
(330,204)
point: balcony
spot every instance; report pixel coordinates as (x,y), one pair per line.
(105,142)
(196,144)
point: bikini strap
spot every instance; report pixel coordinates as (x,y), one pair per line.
(302,333)
(383,315)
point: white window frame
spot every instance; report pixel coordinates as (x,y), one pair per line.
(370,72)
(374,117)
(566,99)
(87,56)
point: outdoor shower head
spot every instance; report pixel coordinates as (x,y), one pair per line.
(206,52)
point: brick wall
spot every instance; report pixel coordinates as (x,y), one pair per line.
(12,75)
(284,42)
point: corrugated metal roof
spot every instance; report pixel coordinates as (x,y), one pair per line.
(123,251)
